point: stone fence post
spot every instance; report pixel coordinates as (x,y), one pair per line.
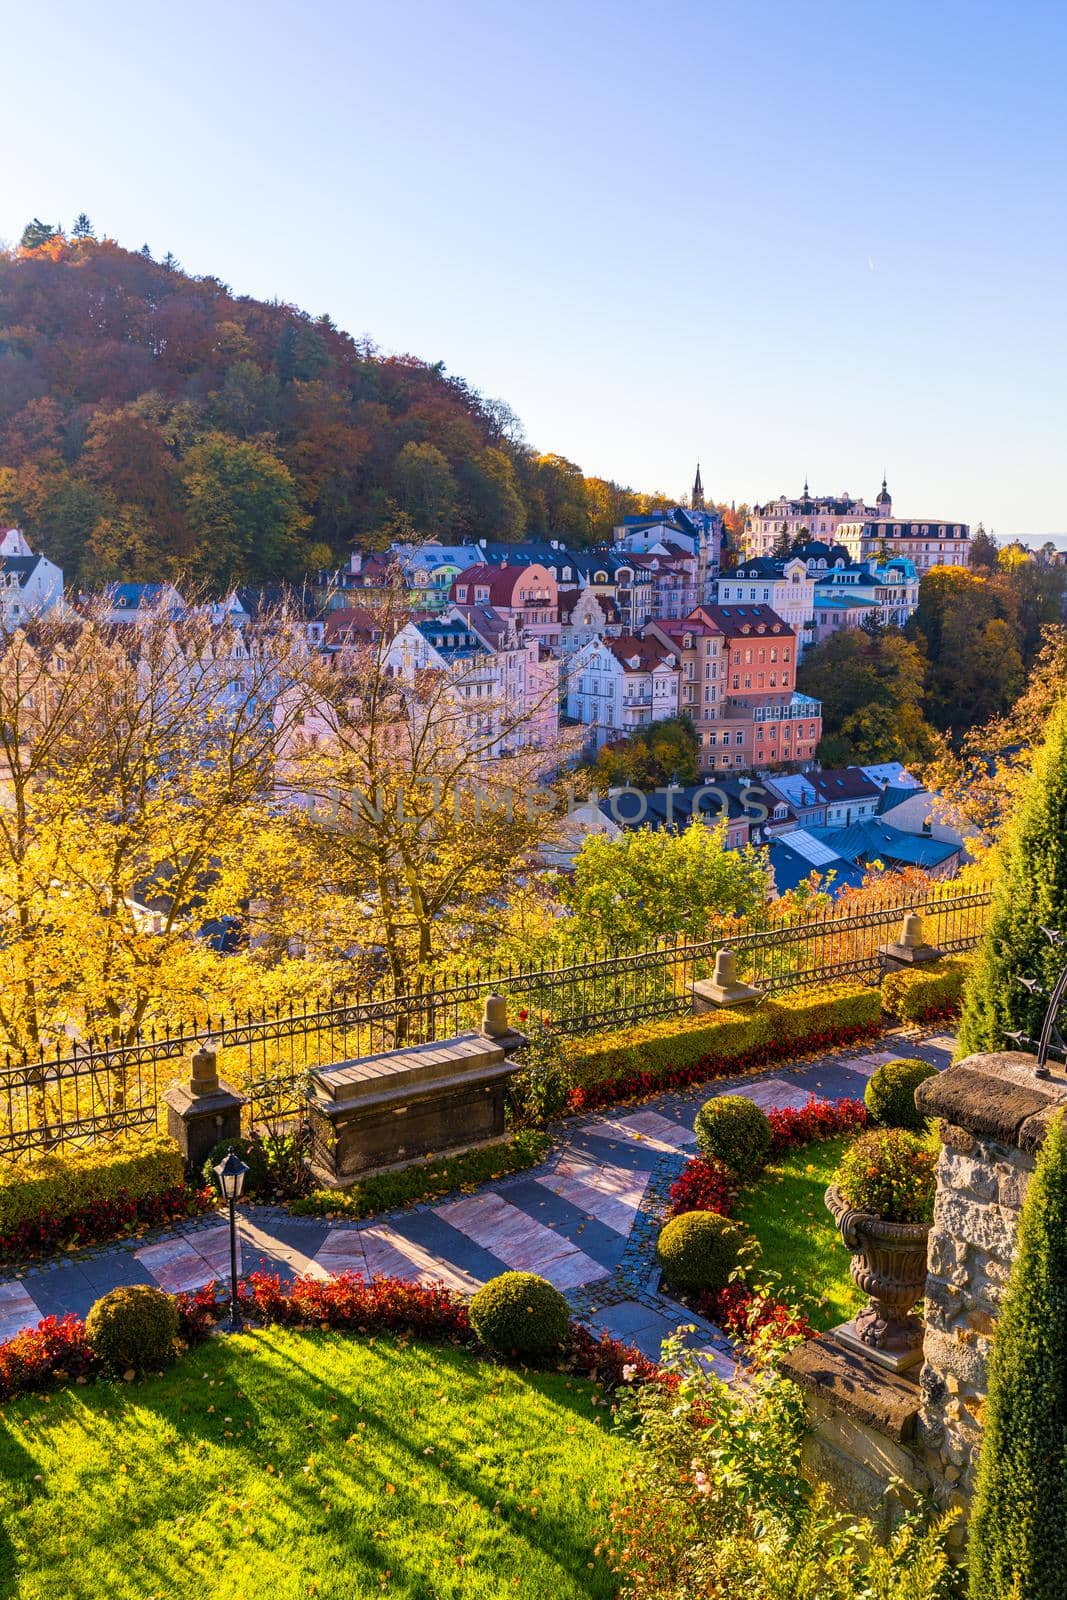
(202,1110)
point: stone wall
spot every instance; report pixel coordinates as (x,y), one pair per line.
(880,1440)
(993,1113)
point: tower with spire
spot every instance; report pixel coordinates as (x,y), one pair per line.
(697,500)
(884,501)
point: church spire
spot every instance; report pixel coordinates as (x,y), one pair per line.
(698,492)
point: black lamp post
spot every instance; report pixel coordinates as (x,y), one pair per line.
(231,1173)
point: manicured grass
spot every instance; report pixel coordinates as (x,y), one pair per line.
(284,1464)
(784,1208)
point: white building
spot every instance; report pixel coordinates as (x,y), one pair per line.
(30,584)
(927,543)
(617,685)
(817,516)
(786,586)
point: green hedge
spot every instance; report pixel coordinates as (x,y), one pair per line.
(682,1042)
(388,1191)
(71,1181)
(913,994)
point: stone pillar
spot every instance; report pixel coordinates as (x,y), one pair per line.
(911,949)
(875,1435)
(994,1116)
(495,1025)
(724,987)
(202,1110)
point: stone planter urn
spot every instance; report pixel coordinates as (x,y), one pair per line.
(889,1266)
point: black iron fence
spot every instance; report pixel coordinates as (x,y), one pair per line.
(86,1092)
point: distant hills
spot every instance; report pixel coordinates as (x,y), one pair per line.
(152,424)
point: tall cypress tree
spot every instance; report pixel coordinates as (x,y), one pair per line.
(1018,1540)
(1030,893)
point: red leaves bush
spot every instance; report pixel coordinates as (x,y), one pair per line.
(819,1119)
(54,1352)
(349,1301)
(639,1085)
(704,1186)
(112,1218)
(743,1313)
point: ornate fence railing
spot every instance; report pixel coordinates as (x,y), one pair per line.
(100,1090)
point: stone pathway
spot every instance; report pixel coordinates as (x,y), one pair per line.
(586,1220)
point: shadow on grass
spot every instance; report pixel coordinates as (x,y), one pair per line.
(289,1399)
(18,1470)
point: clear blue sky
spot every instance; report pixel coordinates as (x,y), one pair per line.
(782,237)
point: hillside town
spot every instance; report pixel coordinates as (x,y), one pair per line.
(545,646)
(533,920)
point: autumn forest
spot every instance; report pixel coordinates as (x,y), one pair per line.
(154,424)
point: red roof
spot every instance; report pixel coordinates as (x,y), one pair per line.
(648,652)
(740,621)
(501,582)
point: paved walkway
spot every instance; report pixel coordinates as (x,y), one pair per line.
(586,1219)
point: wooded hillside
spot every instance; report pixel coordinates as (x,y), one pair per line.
(153,424)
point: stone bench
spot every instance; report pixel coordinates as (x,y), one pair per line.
(392,1109)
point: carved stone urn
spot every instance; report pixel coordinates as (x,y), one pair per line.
(889,1266)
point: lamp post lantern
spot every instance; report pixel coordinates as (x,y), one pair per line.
(231,1173)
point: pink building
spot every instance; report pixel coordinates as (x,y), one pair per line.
(527,595)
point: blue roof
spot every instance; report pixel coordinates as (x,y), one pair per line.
(132,595)
(792,869)
(874,840)
(895,795)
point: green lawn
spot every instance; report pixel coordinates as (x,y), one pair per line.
(281,1464)
(784,1208)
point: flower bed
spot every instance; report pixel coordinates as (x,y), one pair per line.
(77,1197)
(676,1054)
(819,1119)
(115,1217)
(747,1314)
(753,1313)
(57,1351)
(705,1185)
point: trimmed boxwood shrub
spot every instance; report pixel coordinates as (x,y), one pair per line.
(1018,1535)
(133,1326)
(889,1173)
(736,1132)
(635,1060)
(520,1314)
(890,1093)
(918,994)
(76,1197)
(700,1250)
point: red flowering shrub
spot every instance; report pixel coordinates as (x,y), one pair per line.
(111,1218)
(819,1119)
(705,1185)
(53,1352)
(743,1313)
(639,1085)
